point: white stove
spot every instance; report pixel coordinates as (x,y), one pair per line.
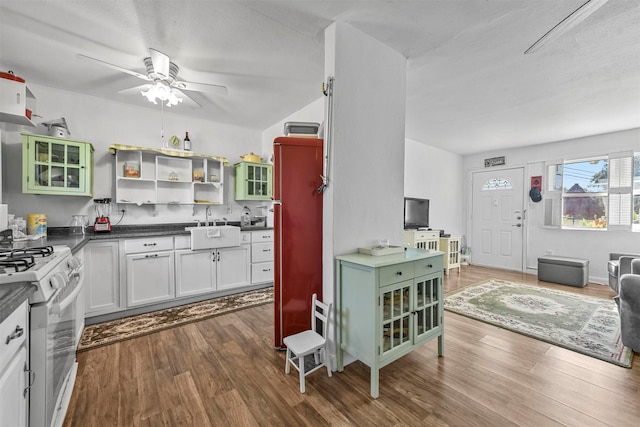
(56,323)
(47,267)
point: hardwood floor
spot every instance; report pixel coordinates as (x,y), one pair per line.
(224,372)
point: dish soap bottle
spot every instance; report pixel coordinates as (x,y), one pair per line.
(245,219)
(187,142)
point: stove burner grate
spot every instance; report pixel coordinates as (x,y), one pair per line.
(40,251)
(17,263)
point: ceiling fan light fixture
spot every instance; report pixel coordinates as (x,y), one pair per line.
(578,15)
(163,92)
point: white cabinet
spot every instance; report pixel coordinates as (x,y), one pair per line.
(15,99)
(102,290)
(195,272)
(158,176)
(14,391)
(422,239)
(209,270)
(150,270)
(451,248)
(262,256)
(233,267)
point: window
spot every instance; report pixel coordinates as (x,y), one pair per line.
(636,192)
(585,185)
(497,184)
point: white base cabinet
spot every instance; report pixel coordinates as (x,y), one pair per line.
(150,278)
(422,239)
(102,291)
(208,270)
(14,390)
(451,248)
(262,256)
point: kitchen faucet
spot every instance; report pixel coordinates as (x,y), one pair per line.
(207,212)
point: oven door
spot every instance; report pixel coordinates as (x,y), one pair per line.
(53,349)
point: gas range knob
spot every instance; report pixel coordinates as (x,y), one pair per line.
(58,280)
(74,263)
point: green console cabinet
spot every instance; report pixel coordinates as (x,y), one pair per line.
(56,166)
(386,306)
(254,181)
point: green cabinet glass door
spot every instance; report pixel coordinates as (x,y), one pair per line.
(56,166)
(253,181)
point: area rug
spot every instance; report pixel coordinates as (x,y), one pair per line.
(135,326)
(584,324)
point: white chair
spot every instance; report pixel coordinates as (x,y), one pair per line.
(310,342)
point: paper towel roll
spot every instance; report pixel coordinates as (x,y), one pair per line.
(4,217)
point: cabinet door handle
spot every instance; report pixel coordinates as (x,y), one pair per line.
(32,379)
(15,334)
(151,256)
(149,244)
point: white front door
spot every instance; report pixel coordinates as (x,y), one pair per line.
(497,218)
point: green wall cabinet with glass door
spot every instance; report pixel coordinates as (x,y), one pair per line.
(56,166)
(254,181)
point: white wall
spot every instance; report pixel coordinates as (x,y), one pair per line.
(589,244)
(364,200)
(102,123)
(434,174)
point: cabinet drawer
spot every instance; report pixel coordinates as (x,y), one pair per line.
(427,235)
(396,273)
(262,272)
(262,236)
(261,252)
(150,244)
(428,266)
(183,242)
(17,326)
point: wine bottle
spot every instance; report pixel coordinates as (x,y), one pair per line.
(187,142)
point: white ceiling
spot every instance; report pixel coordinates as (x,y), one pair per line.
(470,88)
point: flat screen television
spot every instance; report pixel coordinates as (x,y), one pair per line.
(416,213)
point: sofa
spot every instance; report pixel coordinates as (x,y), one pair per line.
(619,264)
(628,301)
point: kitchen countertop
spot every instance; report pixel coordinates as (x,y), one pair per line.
(13,294)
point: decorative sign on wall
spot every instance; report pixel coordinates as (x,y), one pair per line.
(494,161)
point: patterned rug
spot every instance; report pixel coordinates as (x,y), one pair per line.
(135,326)
(576,322)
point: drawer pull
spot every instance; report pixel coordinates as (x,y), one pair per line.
(151,256)
(149,244)
(15,334)
(266,250)
(429,265)
(266,269)
(399,273)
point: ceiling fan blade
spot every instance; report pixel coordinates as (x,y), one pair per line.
(160,63)
(200,87)
(186,99)
(134,90)
(115,67)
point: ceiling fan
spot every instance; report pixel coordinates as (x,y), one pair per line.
(576,17)
(163,83)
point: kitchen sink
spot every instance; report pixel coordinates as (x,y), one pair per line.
(215,236)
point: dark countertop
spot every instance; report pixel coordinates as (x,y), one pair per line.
(12,295)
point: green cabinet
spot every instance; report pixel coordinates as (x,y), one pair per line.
(254,181)
(387,306)
(56,166)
